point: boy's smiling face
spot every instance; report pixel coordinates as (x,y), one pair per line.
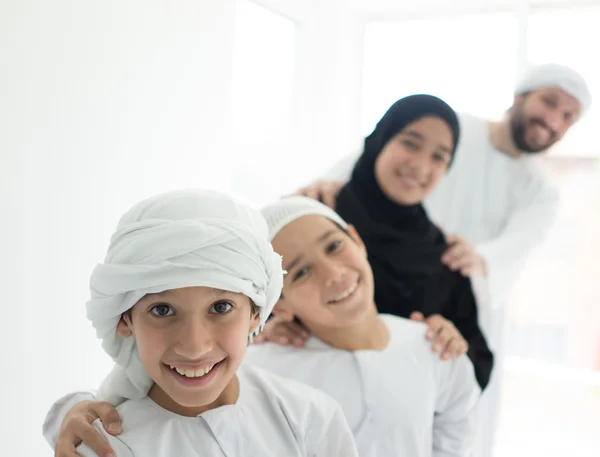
(191,342)
(329,282)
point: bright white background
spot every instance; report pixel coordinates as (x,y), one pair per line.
(103,103)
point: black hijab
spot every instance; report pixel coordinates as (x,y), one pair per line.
(422,243)
(404,247)
(400,238)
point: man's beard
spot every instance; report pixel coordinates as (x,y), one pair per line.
(518,128)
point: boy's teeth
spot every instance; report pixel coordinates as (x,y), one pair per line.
(189,373)
(347,293)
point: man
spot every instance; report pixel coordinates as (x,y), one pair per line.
(496,204)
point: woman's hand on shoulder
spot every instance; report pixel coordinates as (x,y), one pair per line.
(446,340)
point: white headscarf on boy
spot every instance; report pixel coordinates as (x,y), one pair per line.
(173,240)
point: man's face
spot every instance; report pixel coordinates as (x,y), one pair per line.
(541,118)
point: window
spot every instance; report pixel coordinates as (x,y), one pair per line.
(566,37)
(263,72)
(264,66)
(554,317)
(555,329)
(468,60)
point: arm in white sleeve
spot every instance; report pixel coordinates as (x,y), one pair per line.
(526,228)
(330,432)
(342,170)
(120,448)
(58,411)
(455,420)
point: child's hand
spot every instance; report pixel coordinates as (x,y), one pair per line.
(447,340)
(282,331)
(77,427)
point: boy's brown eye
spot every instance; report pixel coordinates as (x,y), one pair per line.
(221,307)
(161,310)
(334,246)
(300,273)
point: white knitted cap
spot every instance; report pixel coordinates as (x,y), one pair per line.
(287,210)
(185,238)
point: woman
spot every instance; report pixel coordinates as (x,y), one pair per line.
(403,160)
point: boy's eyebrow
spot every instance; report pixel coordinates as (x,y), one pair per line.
(295,262)
(166,293)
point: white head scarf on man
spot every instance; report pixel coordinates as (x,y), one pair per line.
(174,240)
(285,211)
(560,76)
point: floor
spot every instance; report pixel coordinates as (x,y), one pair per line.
(548,417)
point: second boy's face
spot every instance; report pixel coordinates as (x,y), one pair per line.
(191,341)
(329,283)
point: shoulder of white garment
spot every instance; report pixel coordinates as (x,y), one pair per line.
(269,355)
(467,118)
(408,335)
(469,122)
(313,412)
(531,181)
(58,411)
(449,376)
(297,395)
(404,330)
(473,140)
(527,171)
(257,353)
(536,170)
(119,447)
(473,128)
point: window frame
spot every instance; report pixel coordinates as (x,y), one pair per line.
(380,10)
(440,14)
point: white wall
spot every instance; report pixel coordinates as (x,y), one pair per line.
(395,7)
(102,103)
(328,89)
(268,125)
(326,97)
(433,7)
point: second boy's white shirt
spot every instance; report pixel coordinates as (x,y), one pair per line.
(401,401)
